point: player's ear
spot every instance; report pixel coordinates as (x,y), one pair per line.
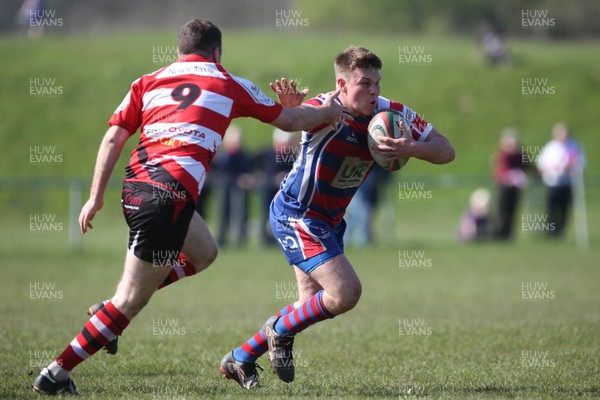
(216,54)
(341,84)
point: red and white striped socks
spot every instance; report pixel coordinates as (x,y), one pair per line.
(106,325)
(181,269)
(100,329)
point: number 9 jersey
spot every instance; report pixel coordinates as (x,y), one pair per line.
(183,111)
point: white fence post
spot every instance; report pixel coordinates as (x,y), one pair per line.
(75,196)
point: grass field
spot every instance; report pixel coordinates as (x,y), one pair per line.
(459,327)
(464,326)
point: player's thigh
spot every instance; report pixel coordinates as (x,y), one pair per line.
(338,278)
(139,281)
(199,245)
(307,285)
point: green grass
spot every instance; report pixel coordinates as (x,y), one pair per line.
(470,300)
(467,100)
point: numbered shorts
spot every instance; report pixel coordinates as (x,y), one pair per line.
(308,242)
(158,222)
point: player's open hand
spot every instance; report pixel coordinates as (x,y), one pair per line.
(338,113)
(400,148)
(87,214)
(288,93)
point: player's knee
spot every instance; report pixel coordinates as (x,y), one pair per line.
(353,295)
(347,298)
(205,257)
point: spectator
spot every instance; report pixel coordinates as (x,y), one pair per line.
(493,47)
(560,159)
(273,164)
(234,180)
(510,179)
(474,224)
(31,17)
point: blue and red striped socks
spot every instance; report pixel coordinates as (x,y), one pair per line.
(307,314)
(100,329)
(292,320)
(256,346)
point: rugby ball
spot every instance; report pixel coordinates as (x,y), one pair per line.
(385,123)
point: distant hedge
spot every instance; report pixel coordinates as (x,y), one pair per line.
(571,19)
(544,18)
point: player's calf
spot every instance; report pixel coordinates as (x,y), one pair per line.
(113,346)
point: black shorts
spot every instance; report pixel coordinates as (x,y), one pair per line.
(158,221)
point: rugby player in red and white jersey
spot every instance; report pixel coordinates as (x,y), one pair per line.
(307,213)
(183,111)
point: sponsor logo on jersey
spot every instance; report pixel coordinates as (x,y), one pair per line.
(191,68)
(352,138)
(155,160)
(351,173)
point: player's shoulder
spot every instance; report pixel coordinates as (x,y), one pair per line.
(147,79)
(252,90)
(150,76)
(383,103)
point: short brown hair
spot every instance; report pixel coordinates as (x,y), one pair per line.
(198,36)
(355,57)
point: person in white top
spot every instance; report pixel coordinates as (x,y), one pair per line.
(558,162)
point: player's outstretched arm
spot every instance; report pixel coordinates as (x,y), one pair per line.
(436,148)
(305,117)
(108,154)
